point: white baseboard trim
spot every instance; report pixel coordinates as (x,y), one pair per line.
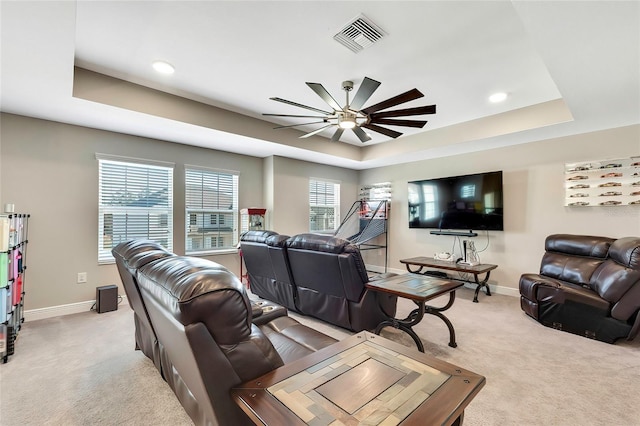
(55,311)
(497,289)
(75,308)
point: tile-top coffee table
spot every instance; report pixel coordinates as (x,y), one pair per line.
(420,289)
(363,379)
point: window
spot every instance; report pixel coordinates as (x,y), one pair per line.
(468,191)
(212,210)
(324,205)
(429,201)
(135,201)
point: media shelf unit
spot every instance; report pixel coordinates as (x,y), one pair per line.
(13,265)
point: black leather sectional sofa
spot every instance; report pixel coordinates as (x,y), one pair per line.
(587,285)
(316,275)
(193,318)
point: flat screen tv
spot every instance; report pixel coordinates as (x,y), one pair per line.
(469,202)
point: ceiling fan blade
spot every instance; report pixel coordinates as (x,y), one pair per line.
(315,132)
(392,122)
(364,92)
(336,136)
(284,101)
(322,92)
(396,100)
(384,131)
(361,134)
(301,124)
(297,116)
(429,109)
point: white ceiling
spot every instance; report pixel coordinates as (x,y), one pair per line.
(235,55)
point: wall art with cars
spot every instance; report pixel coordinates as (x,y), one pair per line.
(603,183)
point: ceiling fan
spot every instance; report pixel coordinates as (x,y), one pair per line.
(353,116)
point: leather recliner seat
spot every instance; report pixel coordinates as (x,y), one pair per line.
(207,340)
(264,254)
(587,285)
(330,278)
(316,275)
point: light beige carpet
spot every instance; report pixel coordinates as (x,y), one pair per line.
(81,369)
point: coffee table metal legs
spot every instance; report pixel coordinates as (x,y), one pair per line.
(406,324)
(481,284)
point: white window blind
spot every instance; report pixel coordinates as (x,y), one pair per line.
(135,201)
(211,210)
(324,205)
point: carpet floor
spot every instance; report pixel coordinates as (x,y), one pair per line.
(82,369)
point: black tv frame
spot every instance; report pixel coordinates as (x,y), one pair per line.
(462,231)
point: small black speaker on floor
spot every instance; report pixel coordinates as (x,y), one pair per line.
(106,298)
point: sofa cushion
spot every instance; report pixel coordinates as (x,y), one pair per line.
(257,236)
(578,245)
(574,258)
(293,340)
(620,272)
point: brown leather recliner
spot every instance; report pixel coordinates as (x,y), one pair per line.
(330,276)
(206,338)
(264,254)
(587,285)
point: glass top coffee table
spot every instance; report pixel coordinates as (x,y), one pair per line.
(363,379)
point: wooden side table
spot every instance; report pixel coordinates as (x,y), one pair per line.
(419,289)
(422,262)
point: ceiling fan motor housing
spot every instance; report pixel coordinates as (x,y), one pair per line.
(347,86)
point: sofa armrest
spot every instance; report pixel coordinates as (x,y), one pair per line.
(529,284)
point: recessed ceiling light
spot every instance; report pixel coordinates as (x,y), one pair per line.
(163,67)
(498,97)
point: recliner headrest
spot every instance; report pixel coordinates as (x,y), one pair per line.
(137,253)
(626,251)
(318,242)
(578,245)
(257,236)
(277,241)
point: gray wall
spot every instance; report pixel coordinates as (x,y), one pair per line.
(49,170)
(533,183)
(290,212)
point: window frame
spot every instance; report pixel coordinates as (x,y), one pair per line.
(159,213)
(206,221)
(335,206)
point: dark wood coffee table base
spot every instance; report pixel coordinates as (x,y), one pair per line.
(419,289)
(416,316)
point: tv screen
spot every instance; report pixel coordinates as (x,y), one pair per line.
(469,202)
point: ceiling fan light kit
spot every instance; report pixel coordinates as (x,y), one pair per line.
(353,116)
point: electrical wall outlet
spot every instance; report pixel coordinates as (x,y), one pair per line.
(82,277)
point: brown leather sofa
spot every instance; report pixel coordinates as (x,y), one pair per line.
(316,275)
(587,285)
(207,340)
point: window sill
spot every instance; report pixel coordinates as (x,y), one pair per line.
(212,252)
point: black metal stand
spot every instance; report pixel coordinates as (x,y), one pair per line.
(406,324)
(481,284)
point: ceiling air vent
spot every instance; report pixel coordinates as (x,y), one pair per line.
(359,34)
